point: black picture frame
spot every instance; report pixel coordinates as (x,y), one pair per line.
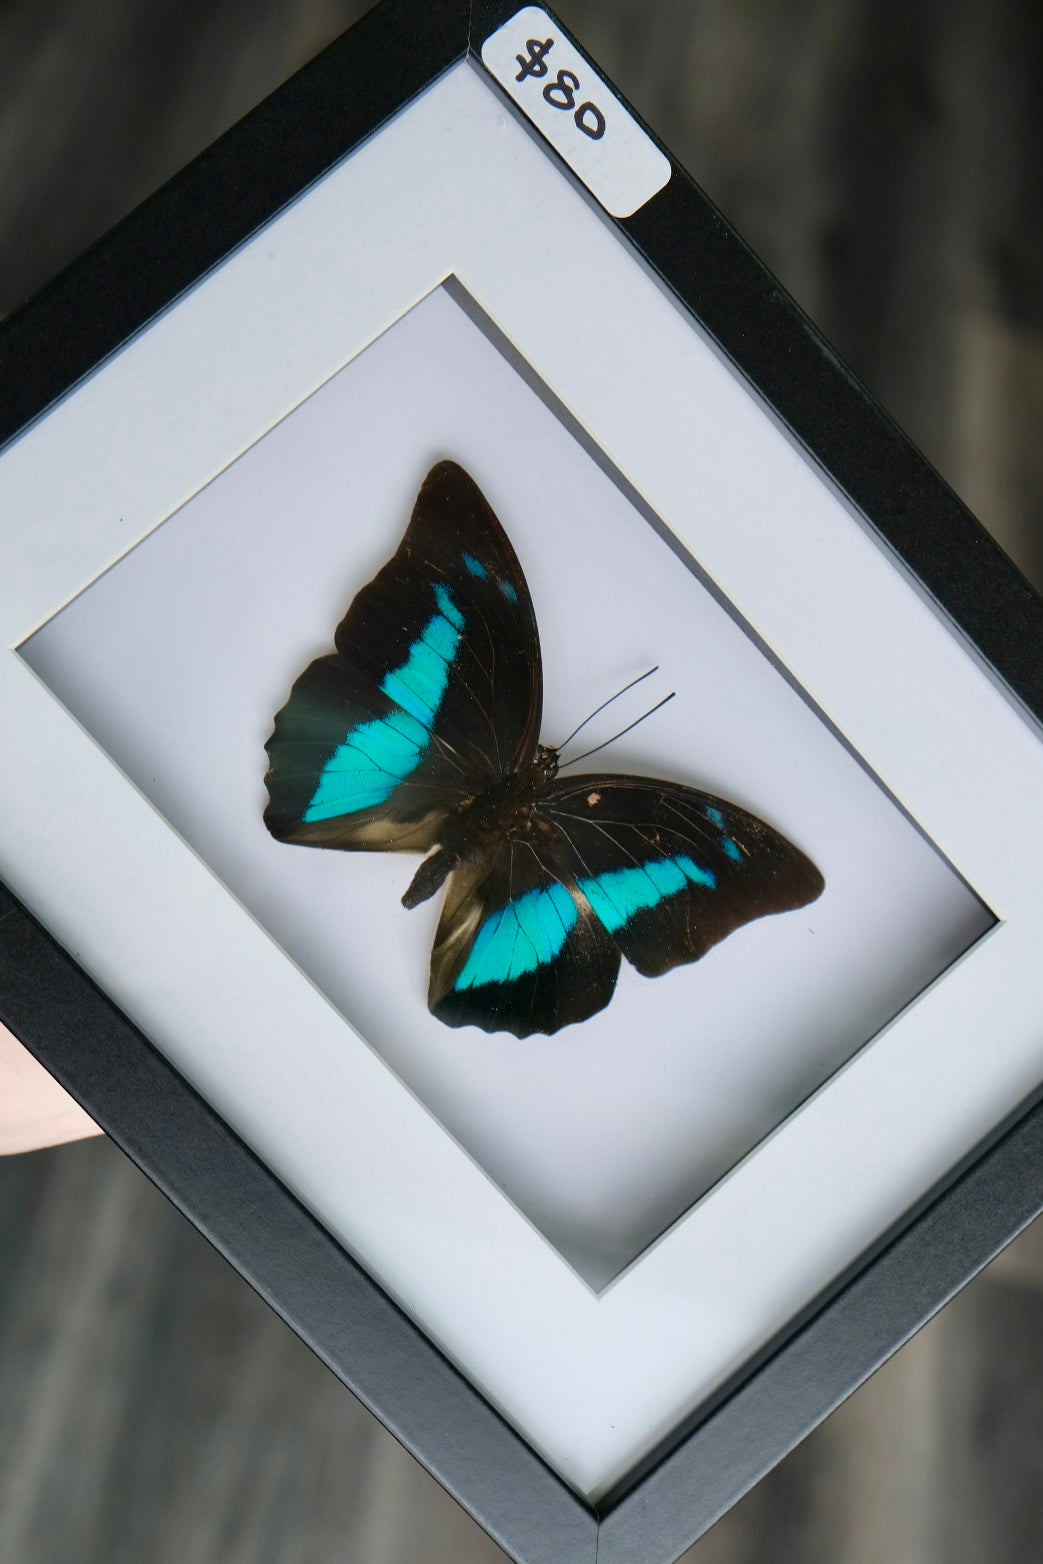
(50,1003)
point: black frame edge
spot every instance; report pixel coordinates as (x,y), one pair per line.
(788,363)
(223,196)
(123,282)
(710,269)
(239,1205)
(853,1335)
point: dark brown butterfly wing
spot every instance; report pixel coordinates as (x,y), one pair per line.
(670,871)
(518,949)
(433,694)
(530,939)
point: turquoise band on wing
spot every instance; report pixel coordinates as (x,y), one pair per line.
(728,847)
(530,932)
(618,896)
(526,934)
(479,572)
(377,756)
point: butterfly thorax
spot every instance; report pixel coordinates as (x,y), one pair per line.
(506,810)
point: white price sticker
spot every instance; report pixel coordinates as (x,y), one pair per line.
(571,106)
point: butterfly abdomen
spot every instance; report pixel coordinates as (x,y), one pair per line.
(430,877)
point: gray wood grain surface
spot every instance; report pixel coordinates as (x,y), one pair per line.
(883,158)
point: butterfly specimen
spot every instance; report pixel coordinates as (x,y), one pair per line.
(421,731)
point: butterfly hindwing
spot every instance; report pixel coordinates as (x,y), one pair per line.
(669,871)
(433,693)
(530,940)
(517,948)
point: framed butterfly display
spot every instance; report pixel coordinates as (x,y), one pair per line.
(592,1164)
(421,731)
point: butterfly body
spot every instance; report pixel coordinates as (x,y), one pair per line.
(506,813)
(421,732)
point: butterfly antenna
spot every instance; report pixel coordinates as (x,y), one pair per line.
(621,732)
(597,709)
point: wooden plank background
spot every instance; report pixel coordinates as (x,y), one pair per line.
(883,159)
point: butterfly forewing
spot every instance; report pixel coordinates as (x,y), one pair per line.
(669,871)
(433,693)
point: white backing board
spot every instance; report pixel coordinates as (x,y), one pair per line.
(177,659)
